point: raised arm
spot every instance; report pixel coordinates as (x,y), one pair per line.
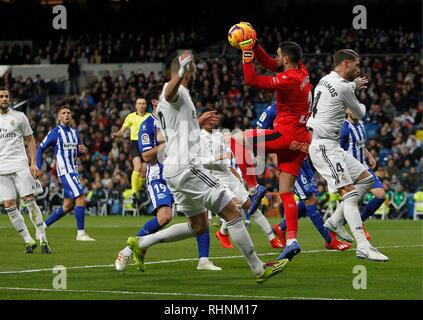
(264,59)
(171,91)
(271,83)
(357,109)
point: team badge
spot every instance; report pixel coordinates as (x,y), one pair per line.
(12,122)
(145,139)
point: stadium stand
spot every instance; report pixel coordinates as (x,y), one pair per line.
(390,60)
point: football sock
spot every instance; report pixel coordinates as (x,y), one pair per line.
(352,215)
(363,186)
(149,227)
(203,243)
(371,208)
(302,212)
(290,241)
(241,238)
(141,182)
(80,217)
(337,218)
(135,186)
(175,232)
(315,217)
(56,215)
(19,223)
(264,225)
(291,214)
(37,219)
(244,160)
(224,228)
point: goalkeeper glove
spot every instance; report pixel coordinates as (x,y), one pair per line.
(247,47)
(184,61)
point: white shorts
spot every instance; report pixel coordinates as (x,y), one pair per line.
(195,189)
(338,167)
(233,183)
(20,182)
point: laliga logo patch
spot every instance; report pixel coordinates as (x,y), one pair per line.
(145,139)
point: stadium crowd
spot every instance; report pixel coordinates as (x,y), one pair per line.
(128,47)
(393,99)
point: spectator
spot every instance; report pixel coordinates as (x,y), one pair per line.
(74,72)
(399,204)
(391,168)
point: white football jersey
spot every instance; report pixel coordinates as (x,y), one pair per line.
(211,145)
(179,126)
(332,96)
(14,126)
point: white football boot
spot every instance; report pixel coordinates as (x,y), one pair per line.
(122,261)
(371,253)
(84,237)
(206,264)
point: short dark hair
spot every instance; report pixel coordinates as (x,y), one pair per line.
(292,50)
(153,93)
(3,88)
(64,106)
(344,54)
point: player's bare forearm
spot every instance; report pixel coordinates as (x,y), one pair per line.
(369,156)
(32,149)
(150,156)
(171,92)
(119,133)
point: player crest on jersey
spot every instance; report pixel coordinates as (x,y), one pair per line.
(12,122)
(145,139)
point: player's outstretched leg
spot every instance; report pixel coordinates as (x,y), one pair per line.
(162,218)
(175,232)
(242,239)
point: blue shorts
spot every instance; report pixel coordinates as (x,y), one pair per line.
(72,187)
(305,185)
(159,194)
(377,184)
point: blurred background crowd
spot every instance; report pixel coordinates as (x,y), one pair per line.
(391,60)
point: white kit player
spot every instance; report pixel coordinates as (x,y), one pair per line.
(215,156)
(16,175)
(333,95)
(194,189)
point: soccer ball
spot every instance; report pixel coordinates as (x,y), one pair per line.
(240,32)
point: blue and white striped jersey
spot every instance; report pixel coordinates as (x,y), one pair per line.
(65,141)
(147,139)
(353,140)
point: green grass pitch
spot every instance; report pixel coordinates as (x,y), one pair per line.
(171,268)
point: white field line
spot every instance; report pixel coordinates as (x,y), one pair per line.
(193,259)
(147,293)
